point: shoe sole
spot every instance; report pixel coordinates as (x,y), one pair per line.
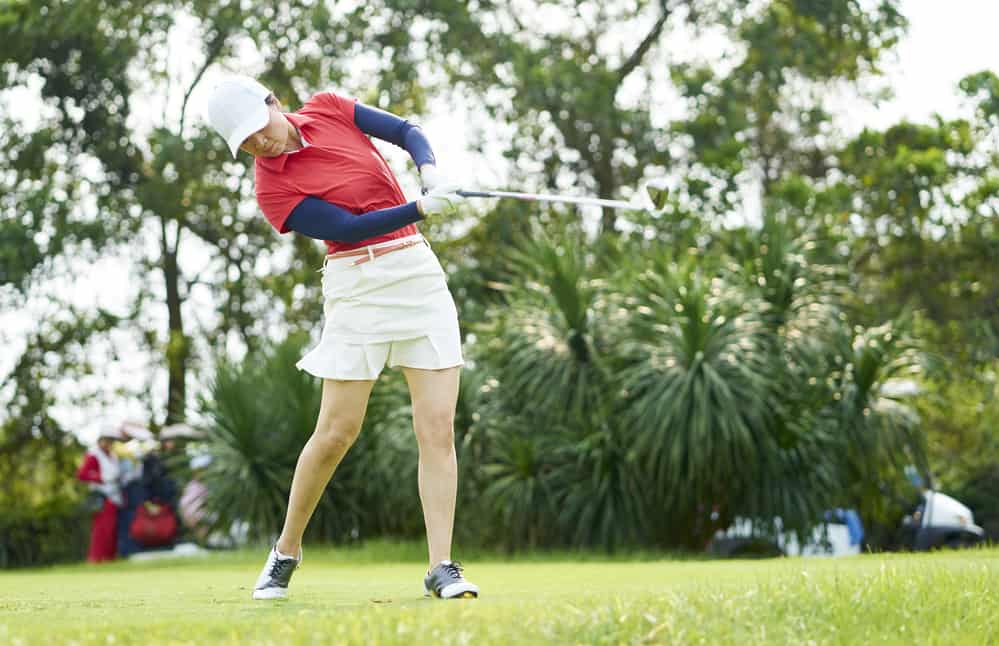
(467,594)
(463,595)
(268,594)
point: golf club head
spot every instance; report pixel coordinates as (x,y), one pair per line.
(658,192)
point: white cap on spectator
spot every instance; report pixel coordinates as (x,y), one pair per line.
(110,431)
(236,109)
(135,430)
(201,461)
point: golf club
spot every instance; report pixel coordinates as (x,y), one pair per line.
(655,189)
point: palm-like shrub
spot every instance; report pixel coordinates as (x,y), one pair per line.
(801,312)
(552,469)
(543,343)
(699,383)
(838,436)
(878,434)
(801,297)
(518,486)
(664,397)
(601,491)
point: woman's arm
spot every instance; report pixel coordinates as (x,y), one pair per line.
(388,127)
(321,220)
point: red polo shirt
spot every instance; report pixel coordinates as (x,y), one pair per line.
(340,165)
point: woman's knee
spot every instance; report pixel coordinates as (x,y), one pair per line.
(435,427)
(336,435)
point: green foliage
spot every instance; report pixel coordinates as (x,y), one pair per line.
(603,496)
(960,413)
(40,519)
(881,433)
(38,455)
(638,386)
(518,487)
(255,439)
(985,87)
(556,475)
(698,387)
(560,87)
(547,339)
(33,536)
(763,117)
(91,175)
(652,402)
(927,197)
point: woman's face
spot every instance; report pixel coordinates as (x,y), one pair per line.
(272,139)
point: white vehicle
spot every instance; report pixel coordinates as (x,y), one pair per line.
(833,537)
(941,521)
(937,521)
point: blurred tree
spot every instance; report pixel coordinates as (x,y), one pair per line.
(101,172)
(925,199)
(760,119)
(961,416)
(719,363)
(584,86)
(557,74)
(574,91)
(38,457)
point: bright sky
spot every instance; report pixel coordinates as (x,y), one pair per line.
(946,41)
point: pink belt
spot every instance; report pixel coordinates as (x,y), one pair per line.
(364,254)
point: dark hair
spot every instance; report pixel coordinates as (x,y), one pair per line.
(271,99)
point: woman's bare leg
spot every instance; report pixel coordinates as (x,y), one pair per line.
(340,418)
(435,396)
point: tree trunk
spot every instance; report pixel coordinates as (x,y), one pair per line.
(177,349)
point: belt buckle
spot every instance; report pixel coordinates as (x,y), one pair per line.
(364,259)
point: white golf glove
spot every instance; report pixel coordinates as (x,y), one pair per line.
(432,179)
(443,201)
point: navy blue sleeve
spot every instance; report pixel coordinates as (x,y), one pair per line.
(321,220)
(388,127)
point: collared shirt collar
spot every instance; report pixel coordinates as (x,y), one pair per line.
(300,121)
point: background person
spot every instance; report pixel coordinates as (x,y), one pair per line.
(157,482)
(129,454)
(192,509)
(386,296)
(101,470)
(152,471)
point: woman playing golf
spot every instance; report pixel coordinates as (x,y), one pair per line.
(386,297)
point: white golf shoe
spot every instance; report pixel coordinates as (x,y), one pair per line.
(273,580)
(445,581)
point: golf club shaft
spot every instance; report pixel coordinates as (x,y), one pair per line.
(537,197)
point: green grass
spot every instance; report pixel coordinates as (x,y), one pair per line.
(373,596)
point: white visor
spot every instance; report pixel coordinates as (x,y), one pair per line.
(236,109)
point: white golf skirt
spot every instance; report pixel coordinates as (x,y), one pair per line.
(393,310)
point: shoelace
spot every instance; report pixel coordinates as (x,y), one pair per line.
(454,569)
(280,566)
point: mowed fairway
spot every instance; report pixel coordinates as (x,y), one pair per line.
(353,597)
